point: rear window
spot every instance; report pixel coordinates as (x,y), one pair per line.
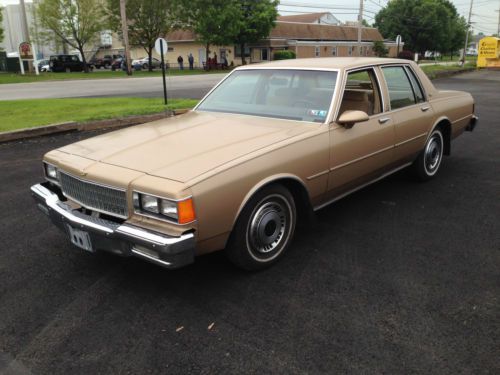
(399,87)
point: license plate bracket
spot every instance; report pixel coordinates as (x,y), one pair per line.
(80,239)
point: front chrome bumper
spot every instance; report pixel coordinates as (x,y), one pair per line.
(122,239)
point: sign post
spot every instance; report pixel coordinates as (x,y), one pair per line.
(161,48)
(26,52)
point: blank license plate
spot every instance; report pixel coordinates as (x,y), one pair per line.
(80,239)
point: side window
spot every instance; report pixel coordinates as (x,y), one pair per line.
(361,93)
(74,58)
(400,89)
(417,89)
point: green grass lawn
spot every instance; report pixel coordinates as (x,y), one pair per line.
(97,74)
(19,114)
(431,70)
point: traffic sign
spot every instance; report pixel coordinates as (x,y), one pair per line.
(161,46)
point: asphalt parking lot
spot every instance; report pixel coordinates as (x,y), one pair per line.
(401,277)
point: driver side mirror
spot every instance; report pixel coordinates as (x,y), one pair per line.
(349,118)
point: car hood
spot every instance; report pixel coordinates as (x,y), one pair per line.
(183,147)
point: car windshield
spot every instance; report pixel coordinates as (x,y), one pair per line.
(301,95)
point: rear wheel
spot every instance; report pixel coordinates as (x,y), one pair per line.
(264,229)
(428,162)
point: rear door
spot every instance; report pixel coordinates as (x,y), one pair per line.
(410,110)
(364,151)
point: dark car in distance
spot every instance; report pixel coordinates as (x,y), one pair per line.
(104,62)
(66,63)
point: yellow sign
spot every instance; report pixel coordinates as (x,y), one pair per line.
(489,52)
(25,51)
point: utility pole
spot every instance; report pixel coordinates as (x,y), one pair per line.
(123,13)
(360,26)
(467,33)
(26,33)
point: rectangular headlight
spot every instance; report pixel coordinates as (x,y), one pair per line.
(50,171)
(181,212)
(150,203)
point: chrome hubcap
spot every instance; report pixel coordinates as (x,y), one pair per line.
(268,226)
(433,154)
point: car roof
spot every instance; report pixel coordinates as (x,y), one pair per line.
(326,63)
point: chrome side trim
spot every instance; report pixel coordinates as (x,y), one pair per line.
(411,139)
(461,118)
(360,187)
(317,175)
(361,158)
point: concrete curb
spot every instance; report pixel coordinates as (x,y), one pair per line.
(85,126)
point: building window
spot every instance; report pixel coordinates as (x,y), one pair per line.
(316,51)
(334,51)
(349,50)
(237,51)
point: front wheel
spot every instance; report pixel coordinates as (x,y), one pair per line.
(428,162)
(264,229)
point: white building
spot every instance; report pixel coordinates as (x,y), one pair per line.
(13,31)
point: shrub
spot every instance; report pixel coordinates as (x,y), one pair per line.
(284,55)
(379,49)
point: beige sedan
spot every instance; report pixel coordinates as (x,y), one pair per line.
(267,146)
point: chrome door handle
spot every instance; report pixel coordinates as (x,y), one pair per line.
(425,108)
(383,120)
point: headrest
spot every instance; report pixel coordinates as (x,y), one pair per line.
(355,96)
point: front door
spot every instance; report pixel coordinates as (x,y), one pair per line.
(366,150)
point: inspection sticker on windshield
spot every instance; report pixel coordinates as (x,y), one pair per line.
(316,113)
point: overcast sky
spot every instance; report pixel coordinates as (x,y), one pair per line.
(485,15)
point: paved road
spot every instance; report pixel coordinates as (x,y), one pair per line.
(400,277)
(195,86)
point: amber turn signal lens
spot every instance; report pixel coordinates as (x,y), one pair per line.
(185,210)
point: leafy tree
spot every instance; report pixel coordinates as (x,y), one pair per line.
(1,28)
(214,22)
(379,49)
(255,21)
(424,24)
(147,20)
(75,22)
(284,55)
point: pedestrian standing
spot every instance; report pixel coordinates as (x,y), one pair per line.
(180,60)
(191,61)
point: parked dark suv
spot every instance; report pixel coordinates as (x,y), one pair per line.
(65,63)
(104,62)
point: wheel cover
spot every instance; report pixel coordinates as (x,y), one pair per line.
(433,153)
(269,227)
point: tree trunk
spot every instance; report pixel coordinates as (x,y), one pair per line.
(242,49)
(150,58)
(84,60)
(207,55)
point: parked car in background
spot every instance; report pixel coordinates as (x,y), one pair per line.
(269,144)
(143,63)
(104,62)
(116,63)
(43,65)
(66,63)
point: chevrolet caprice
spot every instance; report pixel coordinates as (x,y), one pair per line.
(268,145)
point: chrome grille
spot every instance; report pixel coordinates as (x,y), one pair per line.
(100,198)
